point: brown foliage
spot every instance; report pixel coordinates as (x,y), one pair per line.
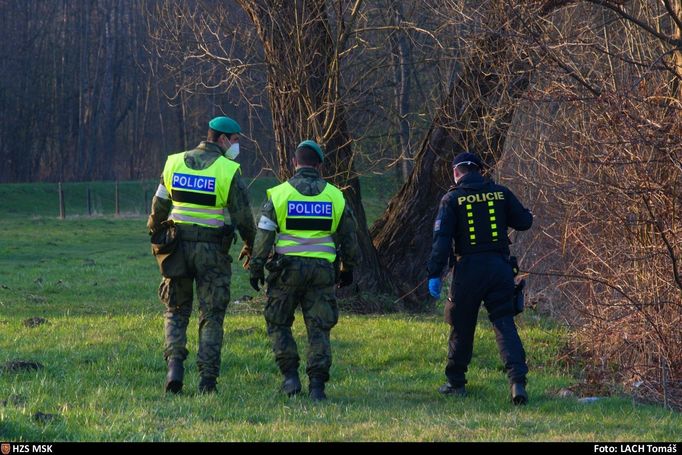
(599,154)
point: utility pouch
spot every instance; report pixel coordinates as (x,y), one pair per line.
(449,310)
(167,251)
(275,266)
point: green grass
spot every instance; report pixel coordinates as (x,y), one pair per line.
(95,281)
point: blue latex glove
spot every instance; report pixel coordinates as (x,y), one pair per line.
(435,285)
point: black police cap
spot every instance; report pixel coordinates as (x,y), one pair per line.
(467,158)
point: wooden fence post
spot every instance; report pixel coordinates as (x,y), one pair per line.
(62,210)
(118,208)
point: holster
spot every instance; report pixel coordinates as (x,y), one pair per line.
(518,300)
(514,264)
(166,249)
(275,266)
(449,302)
(518,297)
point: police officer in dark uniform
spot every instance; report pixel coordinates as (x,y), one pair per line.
(476,214)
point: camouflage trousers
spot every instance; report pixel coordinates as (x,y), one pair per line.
(209,265)
(310,283)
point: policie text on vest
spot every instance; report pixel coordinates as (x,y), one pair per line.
(481,197)
(309,208)
(194,182)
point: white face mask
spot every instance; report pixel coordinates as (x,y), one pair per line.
(454,176)
(233,151)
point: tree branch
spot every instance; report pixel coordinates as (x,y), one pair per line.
(638,22)
(666,241)
(673,14)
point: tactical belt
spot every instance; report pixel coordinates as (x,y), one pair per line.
(460,256)
(194,233)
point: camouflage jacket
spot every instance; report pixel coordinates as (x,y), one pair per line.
(237,203)
(308,182)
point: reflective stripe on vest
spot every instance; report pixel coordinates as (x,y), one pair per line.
(307,222)
(306,249)
(199,195)
(201,221)
(306,241)
(493,221)
(305,244)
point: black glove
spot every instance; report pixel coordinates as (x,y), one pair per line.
(345,279)
(255,278)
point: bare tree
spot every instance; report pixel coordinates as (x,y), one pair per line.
(303,49)
(599,150)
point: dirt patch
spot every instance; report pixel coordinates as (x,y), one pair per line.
(42,417)
(17,366)
(36,298)
(34,322)
(14,400)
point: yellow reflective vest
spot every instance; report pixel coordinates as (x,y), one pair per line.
(199,195)
(306,223)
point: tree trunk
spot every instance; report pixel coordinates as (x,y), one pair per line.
(106,159)
(302,58)
(83,74)
(402,236)
(401,80)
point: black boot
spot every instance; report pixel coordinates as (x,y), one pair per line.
(291,384)
(174,377)
(518,393)
(317,390)
(449,389)
(207,385)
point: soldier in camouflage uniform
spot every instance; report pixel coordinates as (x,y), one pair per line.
(308,222)
(195,187)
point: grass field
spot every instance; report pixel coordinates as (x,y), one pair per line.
(94,280)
